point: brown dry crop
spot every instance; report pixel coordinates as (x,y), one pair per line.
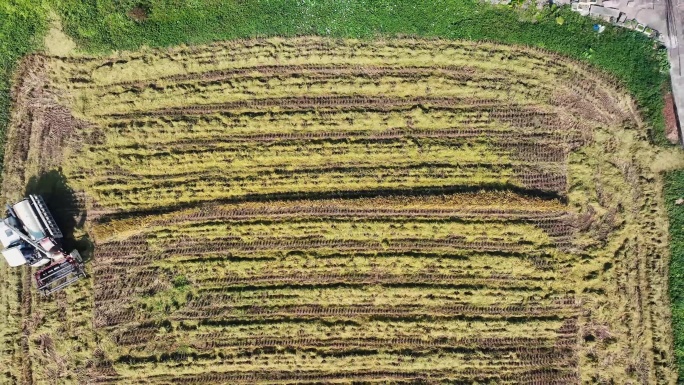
(336,211)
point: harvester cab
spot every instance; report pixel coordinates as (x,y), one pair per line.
(30,236)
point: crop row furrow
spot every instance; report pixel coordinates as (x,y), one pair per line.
(216,212)
(197,246)
(437,170)
(314,81)
(312,86)
(520,376)
(524,345)
(360,102)
(555,333)
(529,311)
(537,151)
(463,73)
(546,146)
(470,55)
(525,120)
(498,280)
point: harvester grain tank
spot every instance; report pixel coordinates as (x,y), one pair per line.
(30,236)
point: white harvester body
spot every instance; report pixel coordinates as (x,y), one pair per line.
(26,214)
(30,236)
(7,236)
(16,253)
(17,256)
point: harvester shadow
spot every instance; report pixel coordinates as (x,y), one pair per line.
(69,214)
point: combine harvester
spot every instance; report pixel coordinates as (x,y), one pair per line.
(30,236)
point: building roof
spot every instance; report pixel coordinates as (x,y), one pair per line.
(597,10)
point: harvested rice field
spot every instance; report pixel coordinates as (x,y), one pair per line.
(306,210)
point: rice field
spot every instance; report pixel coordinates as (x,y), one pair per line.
(309,210)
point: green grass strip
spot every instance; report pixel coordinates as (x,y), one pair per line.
(674,189)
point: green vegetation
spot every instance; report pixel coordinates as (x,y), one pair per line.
(180,281)
(674,189)
(22,24)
